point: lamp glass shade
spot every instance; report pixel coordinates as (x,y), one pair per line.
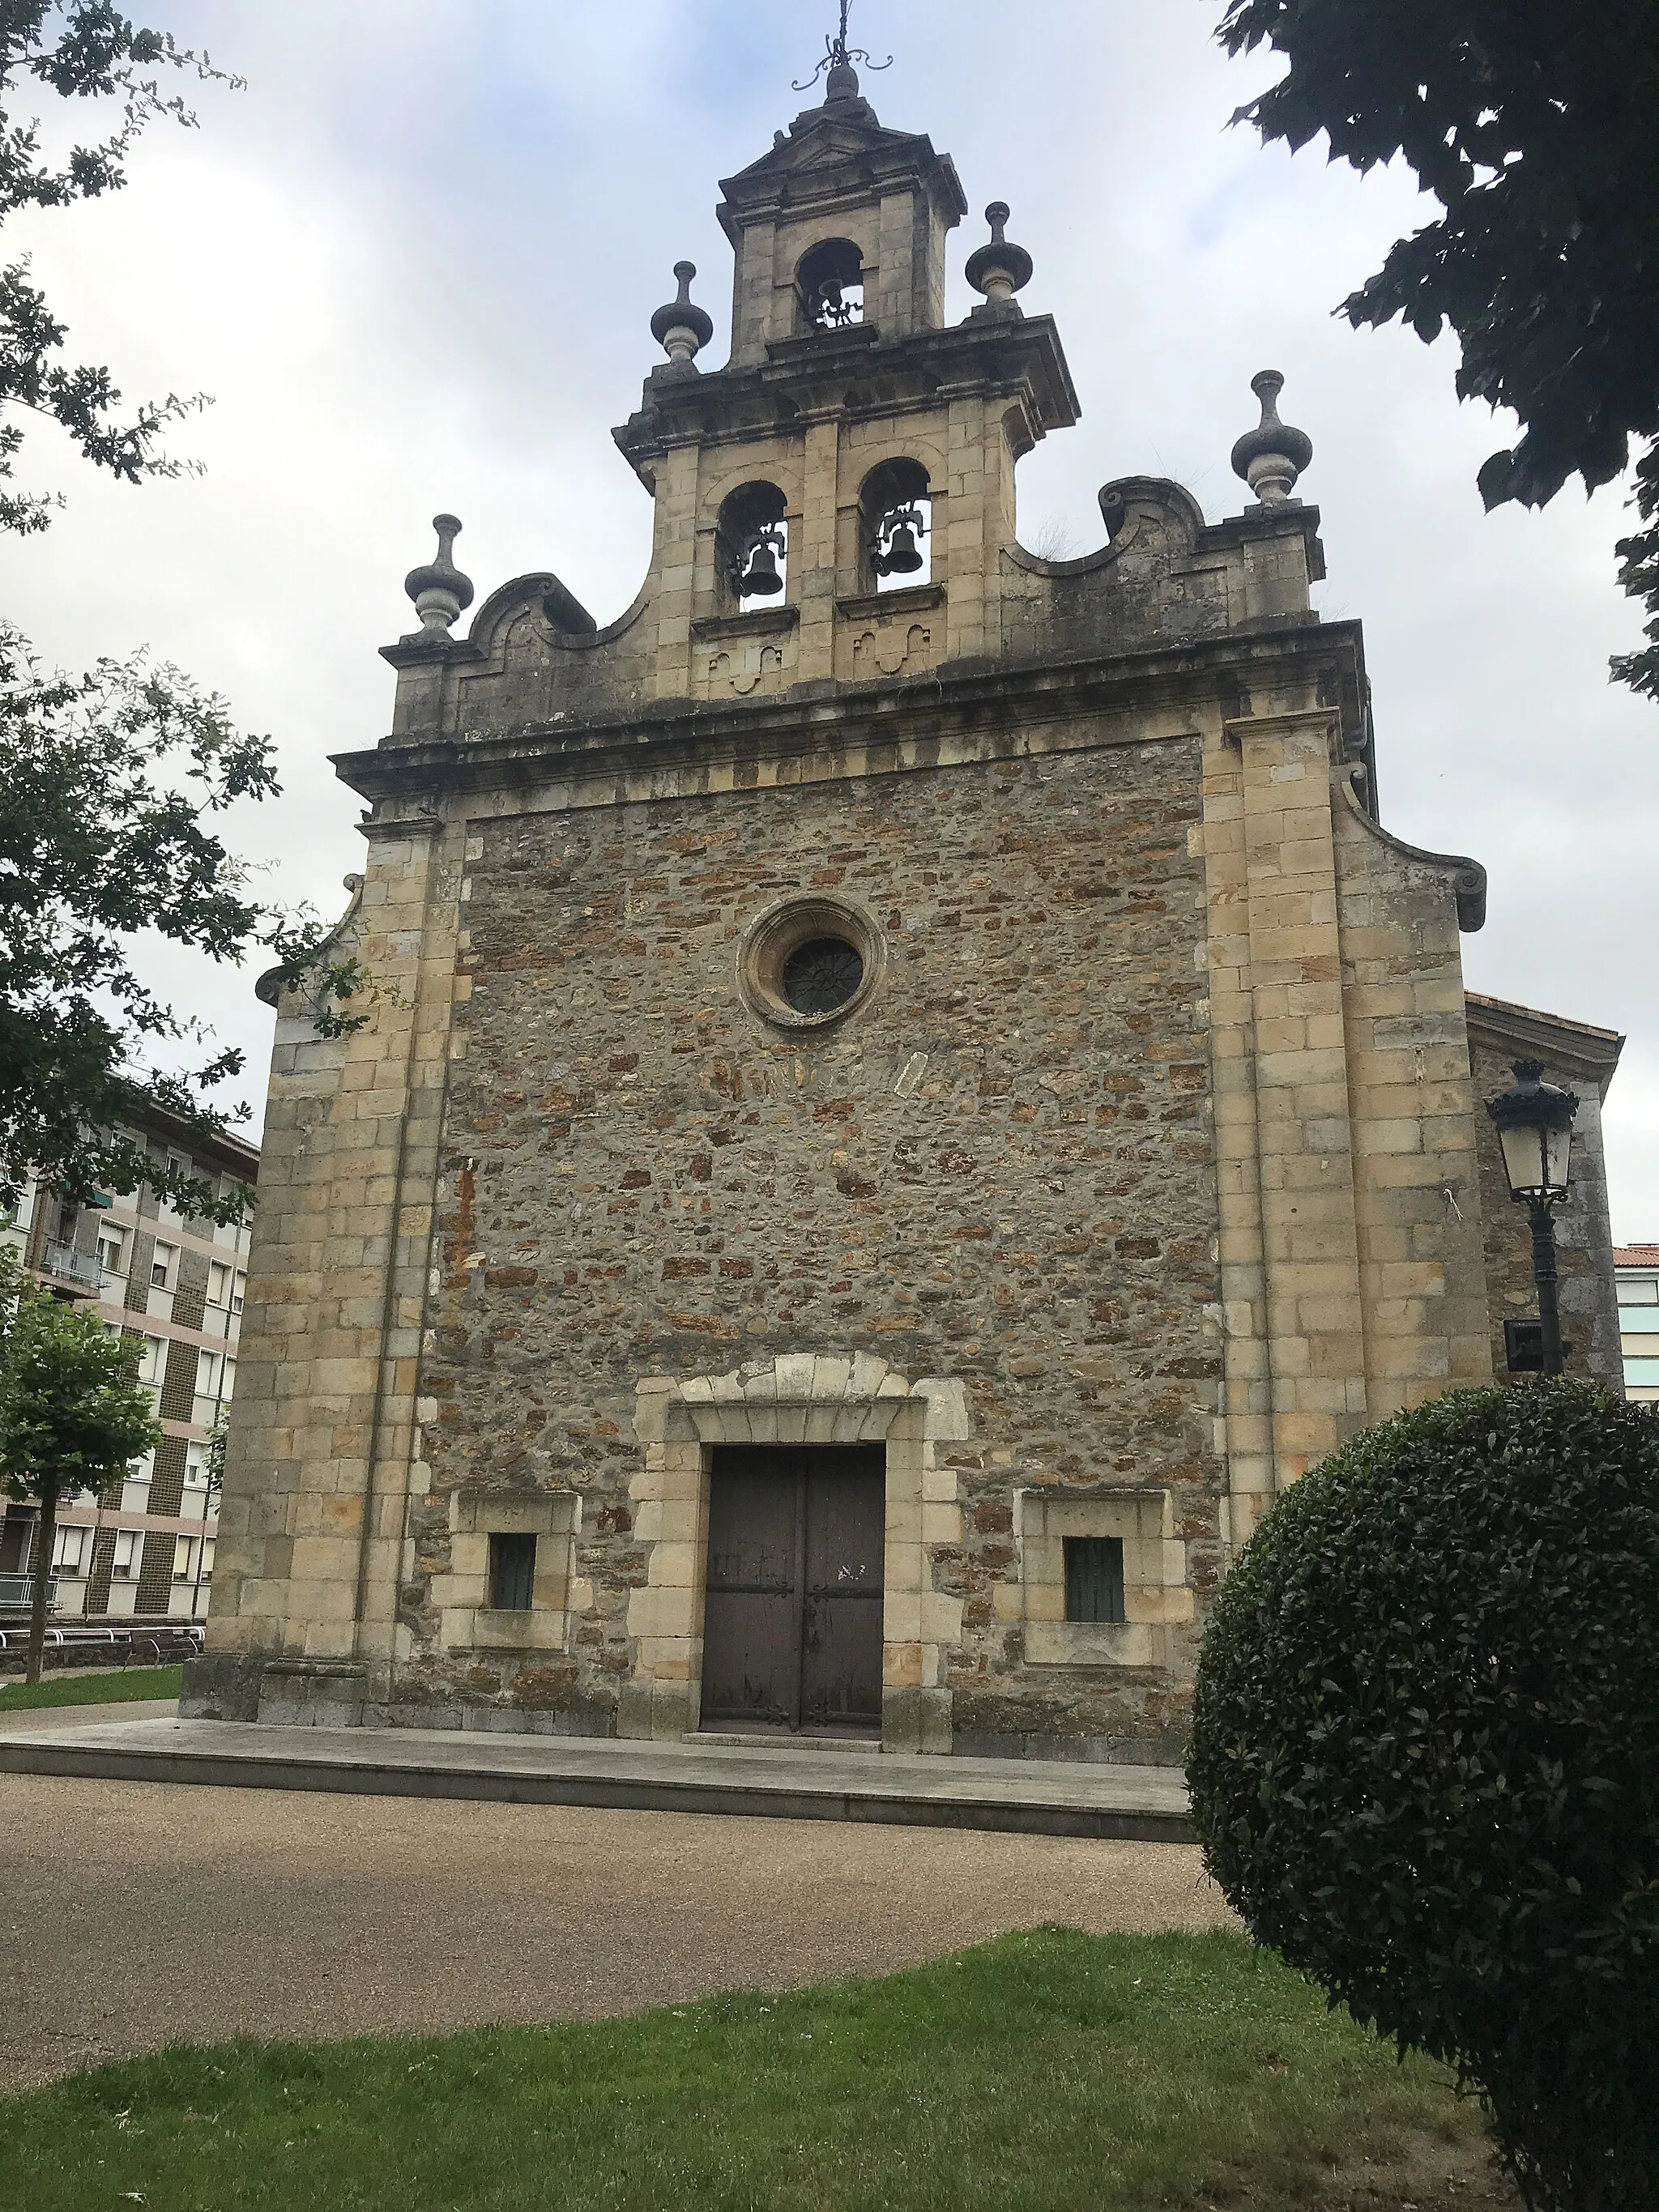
(1534,1130)
(1534,1159)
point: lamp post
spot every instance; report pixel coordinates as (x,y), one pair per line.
(1535,1129)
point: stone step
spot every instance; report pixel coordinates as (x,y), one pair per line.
(797,1781)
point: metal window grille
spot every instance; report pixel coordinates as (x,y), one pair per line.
(1094,1577)
(512,1573)
(1524,1346)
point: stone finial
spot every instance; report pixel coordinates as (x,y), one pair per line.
(999,269)
(1272,456)
(680,329)
(438,589)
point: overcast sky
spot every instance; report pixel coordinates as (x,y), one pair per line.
(415,262)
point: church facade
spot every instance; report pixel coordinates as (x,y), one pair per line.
(910,1094)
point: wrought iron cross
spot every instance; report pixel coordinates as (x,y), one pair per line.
(837,54)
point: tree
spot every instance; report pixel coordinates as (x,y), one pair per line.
(92,850)
(100,833)
(73,1415)
(78,50)
(1533,126)
(1425,1761)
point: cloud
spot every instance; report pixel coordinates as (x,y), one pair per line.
(416,261)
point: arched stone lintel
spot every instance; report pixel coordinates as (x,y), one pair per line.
(801,1397)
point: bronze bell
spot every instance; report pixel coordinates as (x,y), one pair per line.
(894,552)
(761,579)
(903,558)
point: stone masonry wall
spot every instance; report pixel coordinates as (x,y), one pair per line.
(1000,1170)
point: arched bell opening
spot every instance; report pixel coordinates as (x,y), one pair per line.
(829,286)
(752,548)
(896,527)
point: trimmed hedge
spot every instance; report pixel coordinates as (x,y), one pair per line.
(1425,1761)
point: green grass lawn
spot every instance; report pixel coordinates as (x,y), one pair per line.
(111,1688)
(1040,2073)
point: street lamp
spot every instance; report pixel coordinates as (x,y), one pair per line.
(1534,1128)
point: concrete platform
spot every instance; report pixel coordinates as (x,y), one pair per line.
(791,1782)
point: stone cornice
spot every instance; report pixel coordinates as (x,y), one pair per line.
(814,375)
(1566,1047)
(908,599)
(830,151)
(755,622)
(966,711)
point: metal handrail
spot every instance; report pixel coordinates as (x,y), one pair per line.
(71,1639)
(70,1266)
(17,1592)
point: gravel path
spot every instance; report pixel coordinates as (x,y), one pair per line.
(62,1717)
(138,1914)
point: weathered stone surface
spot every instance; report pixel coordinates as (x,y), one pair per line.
(1035,1216)
(1144,1166)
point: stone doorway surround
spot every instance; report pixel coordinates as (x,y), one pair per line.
(797,1398)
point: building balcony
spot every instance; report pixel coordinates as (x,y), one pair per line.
(65,1265)
(17,1593)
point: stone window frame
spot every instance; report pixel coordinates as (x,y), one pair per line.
(780,930)
(1157,1596)
(799,1398)
(467,1621)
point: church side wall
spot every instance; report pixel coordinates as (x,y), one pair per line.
(321,1436)
(997,1172)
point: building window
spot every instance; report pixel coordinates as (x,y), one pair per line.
(112,1251)
(806,962)
(1524,1346)
(184,1559)
(226,1286)
(823,976)
(153,1361)
(70,1550)
(512,1573)
(163,1267)
(129,1554)
(233,1234)
(1094,1579)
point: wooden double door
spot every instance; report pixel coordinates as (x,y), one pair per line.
(793,1613)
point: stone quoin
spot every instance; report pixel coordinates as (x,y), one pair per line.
(911,1092)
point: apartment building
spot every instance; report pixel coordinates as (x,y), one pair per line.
(144,1551)
(1635,1270)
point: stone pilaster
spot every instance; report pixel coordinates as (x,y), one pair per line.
(1297,1366)
(311,1525)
